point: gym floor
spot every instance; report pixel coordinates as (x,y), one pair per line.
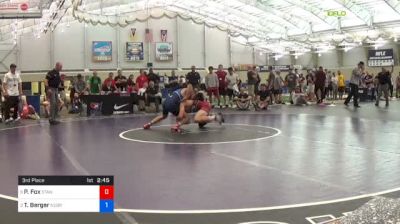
(287,164)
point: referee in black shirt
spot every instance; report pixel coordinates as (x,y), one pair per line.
(193,78)
(52,83)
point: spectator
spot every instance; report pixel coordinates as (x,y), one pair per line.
(212,84)
(277,87)
(302,83)
(173,78)
(334,86)
(52,83)
(153,95)
(109,84)
(398,86)
(270,84)
(391,84)
(232,80)
(243,100)
(95,84)
(72,89)
(291,80)
(61,91)
(328,85)
(120,81)
(354,83)
(193,78)
(130,84)
(1,101)
(320,78)
(80,86)
(251,81)
(12,91)
(383,86)
(341,85)
(154,77)
(221,74)
(368,80)
(141,79)
(28,111)
(310,85)
(262,98)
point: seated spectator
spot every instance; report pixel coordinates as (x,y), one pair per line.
(109,84)
(153,95)
(28,111)
(130,84)
(262,98)
(300,99)
(243,100)
(120,81)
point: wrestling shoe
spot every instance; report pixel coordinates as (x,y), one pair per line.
(220,118)
(201,125)
(176,129)
(147,126)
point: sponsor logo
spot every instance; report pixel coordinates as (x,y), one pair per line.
(116,107)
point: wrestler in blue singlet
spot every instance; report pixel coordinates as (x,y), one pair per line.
(172,102)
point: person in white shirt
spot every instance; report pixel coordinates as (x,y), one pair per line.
(232,80)
(12,90)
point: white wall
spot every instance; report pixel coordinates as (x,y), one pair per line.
(306,60)
(217,47)
(34,53)
(8,55)
(242,54)
(69,46)
(329,59)
(190,44)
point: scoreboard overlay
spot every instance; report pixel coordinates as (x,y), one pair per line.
(66,194)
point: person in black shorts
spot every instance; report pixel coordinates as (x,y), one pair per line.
(262,98)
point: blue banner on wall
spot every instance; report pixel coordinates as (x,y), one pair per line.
(102,51)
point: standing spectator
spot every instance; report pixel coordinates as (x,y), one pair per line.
(354,83)
(120,81)
(251,81)
(391,84)
(232,80)
(153,77)
(173,78)
(334,86)
(95,84)
(221,74)
(130,84)
(291,80)
(141,79)
(368,80)
(328,85)
(383,86)
(302,83)
(320,78)
(270,84)
(193,78)
(80,86)
(212,84)
(277,88)
(310,85)
(52,83)
(341,85)
(12,91)
(109,84)
(398,86)
(61,91)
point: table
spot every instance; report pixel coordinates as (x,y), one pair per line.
(111,104)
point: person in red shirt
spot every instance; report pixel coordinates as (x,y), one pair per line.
(109,83)
(141,79)
(222,84)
